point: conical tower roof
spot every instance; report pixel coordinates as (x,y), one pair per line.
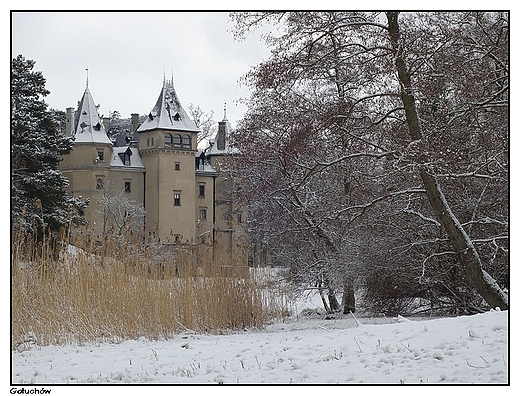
(168,113)
(88,126)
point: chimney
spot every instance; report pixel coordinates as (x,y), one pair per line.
(135,122)
(221,136)
(106,123)
(69,121)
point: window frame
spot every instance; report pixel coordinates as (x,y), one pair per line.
(203,213)
(168,140)
(186,140)
(100,155)
(176,198)
(202,190)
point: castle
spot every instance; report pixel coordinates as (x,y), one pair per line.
(189,197)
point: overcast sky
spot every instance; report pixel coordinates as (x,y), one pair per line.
(128,53)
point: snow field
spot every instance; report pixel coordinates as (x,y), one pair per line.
(469,349)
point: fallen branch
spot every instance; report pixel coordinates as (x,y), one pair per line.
(357,321)
(360,350)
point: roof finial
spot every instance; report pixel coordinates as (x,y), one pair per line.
(172,75)
(87,76)
(164,75)
(225,110)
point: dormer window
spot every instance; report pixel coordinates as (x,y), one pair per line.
(97,127)
(177,117)
(83,125)
(125,157)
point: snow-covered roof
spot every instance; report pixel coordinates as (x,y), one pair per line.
(88,126)
(168,113)
(203,166)
(118,154)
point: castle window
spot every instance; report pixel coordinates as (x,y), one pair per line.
(128,186)
(149,141)
(176,198)
(168,140)
(177,117)
(203,213)
(177,139)
(99,183)
(177,166)
(202,190)
(186,141)
(100,156)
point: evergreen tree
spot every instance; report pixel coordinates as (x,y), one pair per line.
(38,198)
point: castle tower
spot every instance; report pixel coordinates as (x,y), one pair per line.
(87,165)
(95,168)
(168,145)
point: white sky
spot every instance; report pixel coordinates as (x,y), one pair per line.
(128,53)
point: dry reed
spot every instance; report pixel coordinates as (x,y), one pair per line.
(118,291)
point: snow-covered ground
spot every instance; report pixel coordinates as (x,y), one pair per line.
(462,350)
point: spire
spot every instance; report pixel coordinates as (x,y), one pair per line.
(87,76)
(225,115)
(168,113)
(88,126)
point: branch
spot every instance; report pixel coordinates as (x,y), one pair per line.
(425,218)
(364,207)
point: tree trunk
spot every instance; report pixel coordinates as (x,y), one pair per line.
(324,300)
(333,301)
(475,275)
(349,300)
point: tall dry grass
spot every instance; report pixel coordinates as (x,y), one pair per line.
(119,291)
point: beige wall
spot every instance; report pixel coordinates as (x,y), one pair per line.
(230,246)
(169,171)
(83,171)
(204,226)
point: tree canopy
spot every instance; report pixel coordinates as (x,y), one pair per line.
(38,198)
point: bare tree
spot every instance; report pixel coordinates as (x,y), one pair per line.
(358,104)
(119,211)
(204,121)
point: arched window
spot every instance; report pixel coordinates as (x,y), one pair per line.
(186,141)
(168,140)
(176,139)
